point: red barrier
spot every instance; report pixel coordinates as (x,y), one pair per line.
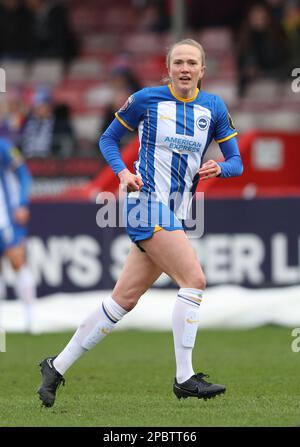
(271,169)
(106,180)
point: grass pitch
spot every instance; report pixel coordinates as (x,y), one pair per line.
(127,381)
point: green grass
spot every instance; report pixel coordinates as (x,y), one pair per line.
(127,381)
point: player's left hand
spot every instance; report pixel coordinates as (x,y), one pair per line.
(209,169)
(21,215)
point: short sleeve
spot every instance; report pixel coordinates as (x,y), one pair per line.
(132,112)
(225,128)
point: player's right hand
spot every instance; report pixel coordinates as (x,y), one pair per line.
(130,182)
(21,215)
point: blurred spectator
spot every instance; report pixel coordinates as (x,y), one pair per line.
(119,99)
(213,13)
(13,116)
(117,102)
(123,78)
(14,30)
(48,130)
(51,34)
(123,84)
(291,22)
(276,8)
(154,15)
(64,141)
(262,48)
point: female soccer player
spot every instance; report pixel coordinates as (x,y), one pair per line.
(15,180)
(176,124)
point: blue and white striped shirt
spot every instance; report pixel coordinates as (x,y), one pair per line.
(174,134)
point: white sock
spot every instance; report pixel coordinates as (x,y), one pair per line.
(25,289)
(93,329)
(2,298)
(185,321)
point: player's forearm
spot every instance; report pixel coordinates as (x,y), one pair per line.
(25,179)
(233,165)
(109,146)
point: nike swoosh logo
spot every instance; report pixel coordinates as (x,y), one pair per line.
(49,363)
(189,320)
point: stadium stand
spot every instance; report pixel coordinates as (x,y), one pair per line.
(108,36)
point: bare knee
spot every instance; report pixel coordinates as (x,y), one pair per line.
(16,257)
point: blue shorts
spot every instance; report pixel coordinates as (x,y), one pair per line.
(144,217)
(11,236)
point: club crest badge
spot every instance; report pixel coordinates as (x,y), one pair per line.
(202,122)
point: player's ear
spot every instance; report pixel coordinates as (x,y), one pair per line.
(203,68)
